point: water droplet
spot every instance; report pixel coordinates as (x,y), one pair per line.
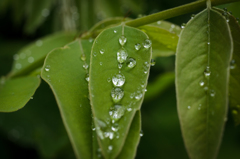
(16,57)
(192,16)
(138,95)
(207,72)
(208,43)
(205,88)
(122,40)
(109,135)
(83,57)
(18,66)
(122,55)
(110,147)
(116,112)
(153,62)
(189,107)
(201,83)
(141,133)
(232,64)
(129,109)
(93,129)
(47,68)
(115,127)
(212,93)
(183,25)
(137,46)
(131,62)
(237,19)
(225,9)
(117,94)
(109,79)
(200,105)
(90,40)
(94,54)
(147,43)
(102,51)
(87,77)
(115,31)
(100,63)
(39,43)
(85,66)
(120,65)
(30,59)
(118,80)
(31,97)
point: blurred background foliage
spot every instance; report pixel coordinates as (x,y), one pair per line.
(37,131)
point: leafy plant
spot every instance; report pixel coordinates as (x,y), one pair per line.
(99,78)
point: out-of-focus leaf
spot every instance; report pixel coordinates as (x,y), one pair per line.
(162,82)
(65,72)
(164,42)
(202,73)
(33,55)
(173,28)
(115,103)
(15,93)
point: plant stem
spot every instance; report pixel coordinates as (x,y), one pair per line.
(184,9)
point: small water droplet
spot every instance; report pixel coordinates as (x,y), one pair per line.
(205,88)
(189,107)
(31,97)
(159,22)
(212,93)
(208,43)
(18,66)
(100,63)
(138,95)
(39,43)
(122,40)
(109,79)
(115,31)
(147,43)
(85,66)
(110,147)
(83,57)
(117,94)
(102,51)
(137,46)
(237,19)
(131,62)
(153,62)
(118,80)
(129,109)
(115,127)
(207,72)
(122,55)
(201,83)
(87,77)
(192,16)
(183,25)
(141,133)
(232,64)
(47,68)
(30,59)
(94,54)
(116,112)
(120,65)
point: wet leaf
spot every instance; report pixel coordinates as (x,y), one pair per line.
(202,73)
(171,27)
(33,55)
(118,77)
(15,93)
(63,70)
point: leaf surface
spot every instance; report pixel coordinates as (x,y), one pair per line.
(63,70)
(15,93)
(107,75)
(202,73)
(33,55)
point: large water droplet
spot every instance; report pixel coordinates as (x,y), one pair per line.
(147,44)
(207,72)
(131,62)
(122,40)
(232,64)
(122,55)
(137,46)
(118,80)
(117,94)
(102,51)
(116,112)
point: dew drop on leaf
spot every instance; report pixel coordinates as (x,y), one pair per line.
(207,72)
(153,62)
(87,77)
(131,62)
(183,25)
(117,94)
(115,31)
(122,55)
(141,133)
(201,83)
(116,112)
(147,44)
(232,64)
(83,57)
(85,66)
(118,80)
(212,93)
(137,46)
(122,40)
(102,51)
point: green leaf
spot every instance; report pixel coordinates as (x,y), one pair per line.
(33,55)
(171,27)
(159,85)
(202,73)
(15,93)
(105,68)
(133,138)
(63,71)
(234,84)
(164,42)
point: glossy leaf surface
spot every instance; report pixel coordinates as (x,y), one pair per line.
(15,93)
(63,70)
(202,73)
(118,78)
(33,55)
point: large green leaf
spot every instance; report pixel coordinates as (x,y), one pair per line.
(63,70)
(164,41)
(117,89)
(33,55)
(202,73)
(15,93)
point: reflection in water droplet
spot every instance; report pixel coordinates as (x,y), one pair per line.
(131,62)
(207,72)
(102,51)
(201,83)
(137,46)
(122,40)
(116,112)
(30,59)
(118,80)
(117,94)
(122,55)
(147,44)
(115,127)
(232,64)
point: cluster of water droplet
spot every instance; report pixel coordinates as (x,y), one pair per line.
(226,14)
